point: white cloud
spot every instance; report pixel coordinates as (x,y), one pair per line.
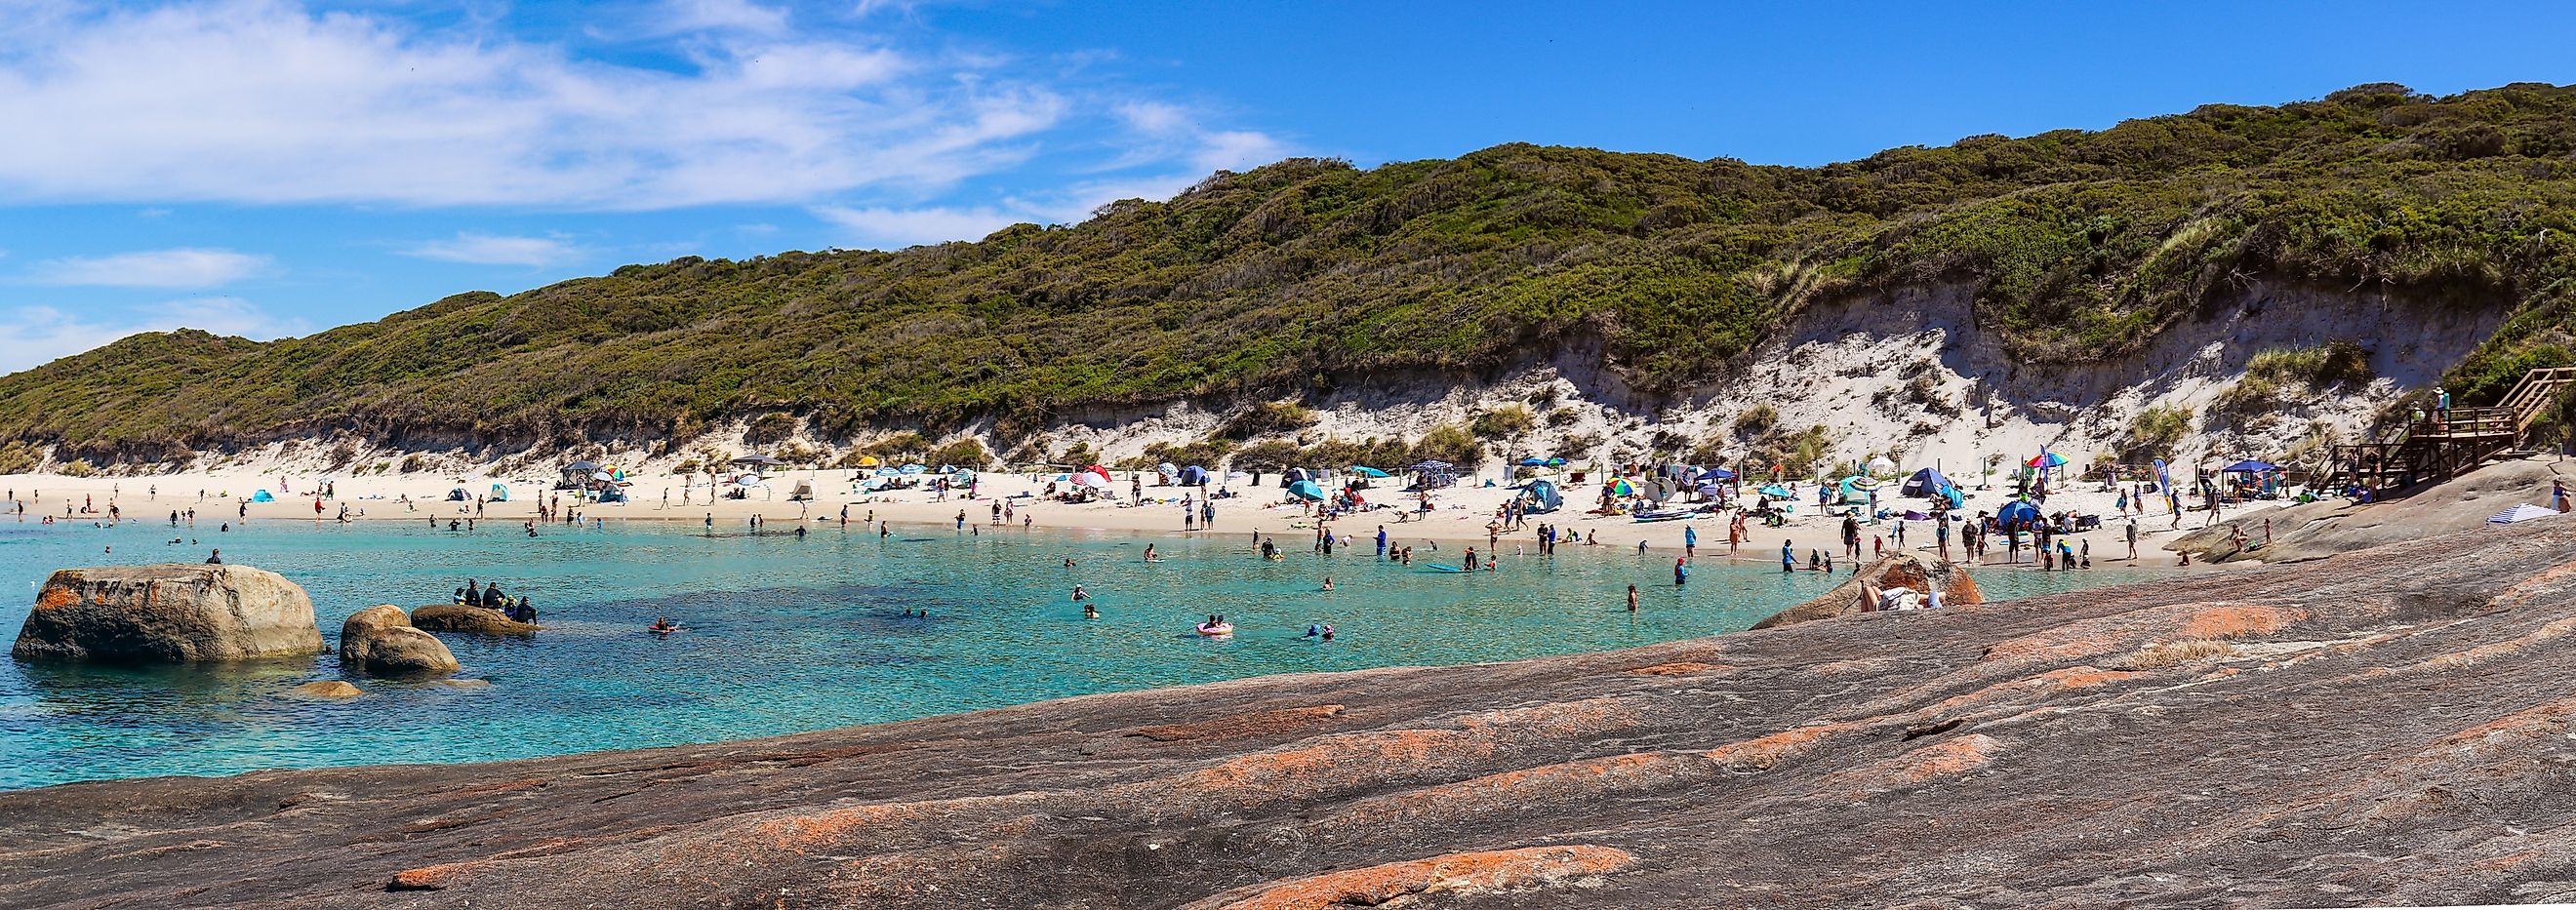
(494,249)
(889,228)
(719,15)
(179,268)
(40,334)
(264,101)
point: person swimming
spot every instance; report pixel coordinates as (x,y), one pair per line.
(1080,595)
(1149,554)
(1089,611)
(662,626)
(1328,582)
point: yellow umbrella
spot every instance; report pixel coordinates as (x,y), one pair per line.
(869,462)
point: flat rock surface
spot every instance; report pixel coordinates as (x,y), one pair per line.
(2384,727)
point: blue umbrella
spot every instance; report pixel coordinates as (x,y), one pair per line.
(2249,466)
(1776,490)
(1533,462)
(1715,474)
(1366,471)
(1307,490)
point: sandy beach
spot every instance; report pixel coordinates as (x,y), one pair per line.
(1460,518)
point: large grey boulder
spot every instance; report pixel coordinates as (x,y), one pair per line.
(379,641)
(172,613)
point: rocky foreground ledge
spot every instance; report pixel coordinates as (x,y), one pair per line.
(2389,726)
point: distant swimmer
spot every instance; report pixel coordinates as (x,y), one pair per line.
(1080,595)
(1068,562)
(1321,631)
(1328,582)
(662,626)
(1089,611)
(1149,554)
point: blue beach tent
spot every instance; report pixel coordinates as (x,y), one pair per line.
(1306,490)
(2017,510)
(1193,476)
(262,496)
(1542,496)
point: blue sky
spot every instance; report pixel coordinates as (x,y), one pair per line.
(267,167)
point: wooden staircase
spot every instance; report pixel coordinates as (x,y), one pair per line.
(2442,445)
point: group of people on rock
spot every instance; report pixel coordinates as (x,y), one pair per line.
(489,597)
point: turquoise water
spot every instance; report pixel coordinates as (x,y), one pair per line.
(788,635)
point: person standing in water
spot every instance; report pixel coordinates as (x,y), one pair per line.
(1681,571)
(1788,556)
(1632,598)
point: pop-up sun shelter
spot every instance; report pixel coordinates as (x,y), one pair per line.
(2017,510)
(1194,476)
(1541,496)
(1306,490)
(500,493)
(262,496)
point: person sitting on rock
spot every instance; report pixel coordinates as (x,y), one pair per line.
(492,595)
(469,595)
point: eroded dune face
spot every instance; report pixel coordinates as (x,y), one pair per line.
(2389,726)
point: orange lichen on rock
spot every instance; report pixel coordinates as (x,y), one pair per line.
(2237,621)
(2051,682)
(1258,723)
(56,595)
(428,878)
(839,826)
(1342,761)
(1682,668)
(1484,870)
(1762,753)
(1948,758)
(1538,787)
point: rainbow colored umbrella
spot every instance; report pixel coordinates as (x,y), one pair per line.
(2046,459)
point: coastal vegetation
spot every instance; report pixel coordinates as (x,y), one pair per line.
(1310,275)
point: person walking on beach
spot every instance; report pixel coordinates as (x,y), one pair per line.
(1690,542)
(2132,534)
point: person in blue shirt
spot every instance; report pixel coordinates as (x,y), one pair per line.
(1681,571)
(1690,541)
(1381,541)
(1788,556)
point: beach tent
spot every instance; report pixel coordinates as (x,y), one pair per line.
(1926,483)
(262,496)
(886,472)
(2520,512)
(1295,475)
(612,494)
(1366,471)
(500,493)
(1541,495)
(2249,466)
(1194,476)
(2017,510)
(1306,490)
(804,491)
(1776,490)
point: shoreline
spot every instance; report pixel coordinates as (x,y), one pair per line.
(1460,518)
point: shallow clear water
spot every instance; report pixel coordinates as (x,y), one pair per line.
(788,635)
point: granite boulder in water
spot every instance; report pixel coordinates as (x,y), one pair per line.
(379,641)
(170,613)
(462,618)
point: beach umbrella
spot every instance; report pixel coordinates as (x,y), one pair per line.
(1306,490)
(1533,462)
(1863,482)
(1092,480)
(1776,490)
(890,472)
(1881,465)
(2046,459)
(582,466)
(2249,466)
(1714,474)
(869,461)
(1431,465)
(1366,471)
(1556,462)
(2017,510)
(1621,487)
(2520,512)
(914,468)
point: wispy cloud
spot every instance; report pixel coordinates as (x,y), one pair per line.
(264,101)
(40,334)
(494,249)
(179,268)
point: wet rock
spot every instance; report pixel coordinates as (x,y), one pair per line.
(328,689)
(172,613)
(1895,570)
(472,620)
(466,683)
(379,641)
